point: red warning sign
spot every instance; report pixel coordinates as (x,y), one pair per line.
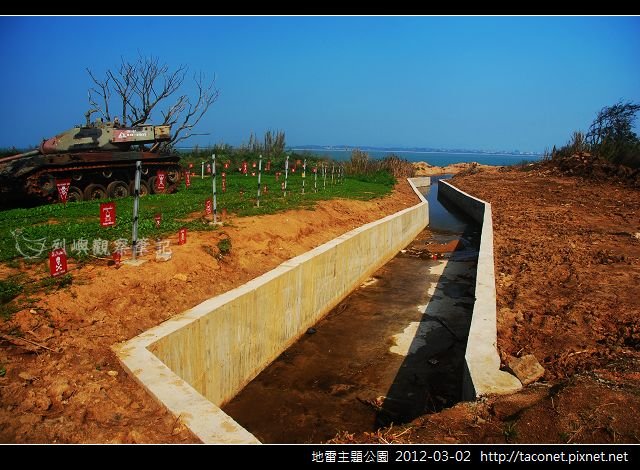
(58,262)
(187,179)
(244,168)
(158,218)
(182,236)
(161,180)
(108,214)
(208,207)
(63,189)
(268,165)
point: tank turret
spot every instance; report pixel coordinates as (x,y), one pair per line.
(104,136)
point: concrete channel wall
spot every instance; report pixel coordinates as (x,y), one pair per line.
(482,362)
(197,361)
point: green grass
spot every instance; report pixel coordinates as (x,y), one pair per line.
(185,208)
(17,292)
(9,289)
(224,246)
(7,310)
(50,284)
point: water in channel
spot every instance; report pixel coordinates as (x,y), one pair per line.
(389,352)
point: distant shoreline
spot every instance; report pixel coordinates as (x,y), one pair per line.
(443,152)
(504,154)
(437,158)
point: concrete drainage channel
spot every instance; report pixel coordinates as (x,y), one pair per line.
(392,350)
(482,362)
(199,361)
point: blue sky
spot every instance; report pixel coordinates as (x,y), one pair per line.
(453,82)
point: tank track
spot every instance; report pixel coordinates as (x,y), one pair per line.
(41,183)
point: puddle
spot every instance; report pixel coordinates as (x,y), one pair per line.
(444,218)
(389,352)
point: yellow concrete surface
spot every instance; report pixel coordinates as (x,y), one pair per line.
(482,361)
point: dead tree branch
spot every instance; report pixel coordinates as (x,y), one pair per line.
(145,87)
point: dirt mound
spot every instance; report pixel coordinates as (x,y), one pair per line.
(425,169)
(588,166)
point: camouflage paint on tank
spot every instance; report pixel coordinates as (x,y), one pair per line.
(104,136)
(98,153)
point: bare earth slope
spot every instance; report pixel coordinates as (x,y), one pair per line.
(81,394)
(567,253)
(568,284)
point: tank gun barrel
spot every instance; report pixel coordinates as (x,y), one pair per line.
(30,153)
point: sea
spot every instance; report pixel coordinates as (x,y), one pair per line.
(434,158)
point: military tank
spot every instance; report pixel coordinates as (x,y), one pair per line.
(99,159)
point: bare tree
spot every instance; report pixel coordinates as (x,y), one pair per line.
(146,86)
(102,88)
